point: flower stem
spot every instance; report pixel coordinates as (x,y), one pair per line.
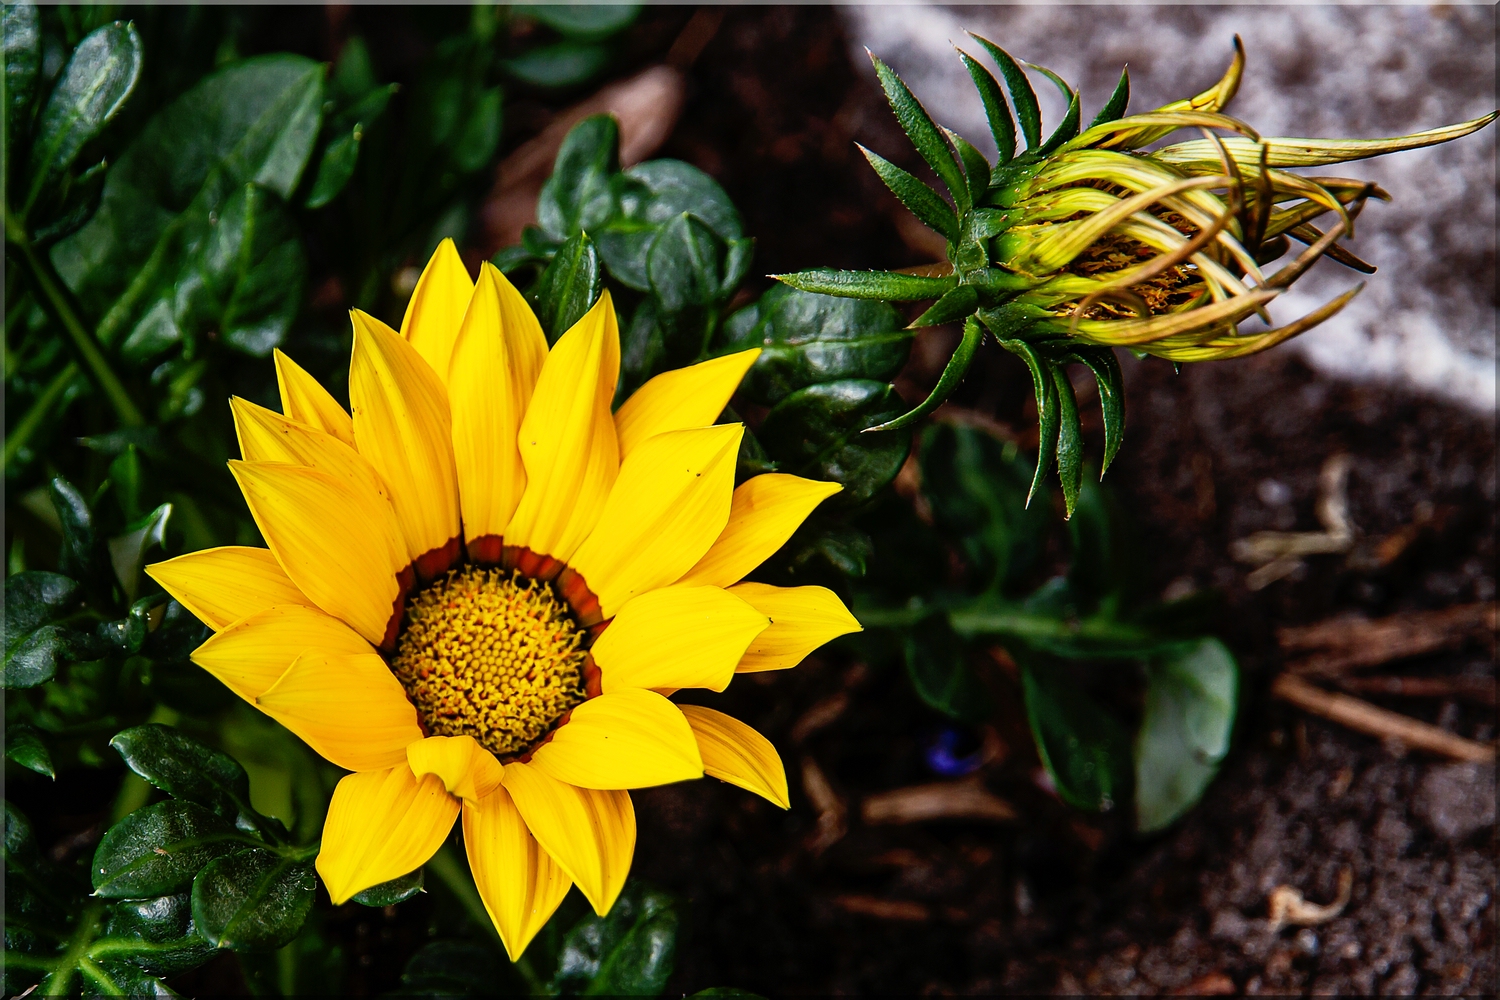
(28,425)
(60,979)
(52,290)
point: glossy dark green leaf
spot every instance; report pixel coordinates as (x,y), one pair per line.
(253,900)
(156,851)
(118,977)
(1191,696)
(128,550)
(22,52)
(996,111)
(1083,747)
(752,459)
(583,20)
(92,88)
(1028,112)
(577,197)
(38,656)
(924,135)
(254,121)
(184,768)
(568,287)
(1106,558)
(1114,108)
(885,285)
(843,547)
(684,264)
(24,746)
(953,374)
(977,488)
(1069,439)
(805,339)
(158,935)
(955,304)
(559,65)
(923,201)
(335,168)
(237,276)
(630,952)
(36,598)
(815,432)
(458,969)
(937,661)
(79,556)
(669,188)
(477,141)
(397,890)
(72,202)
(1106,368)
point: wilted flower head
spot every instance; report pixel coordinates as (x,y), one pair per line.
(1086,240)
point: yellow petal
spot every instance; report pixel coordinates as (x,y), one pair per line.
(468,770)
(496,363)
(681,398)
(252,654)
(671,501)
(402,425)
(765,512)
(567,440)
(519,882)
(677,637)
(382,825)
(735,753)
(349,708)
(267,436)
(624,739)
(337,542)
(437,307)
(223,585)
(304,400)
(590,834)
(802,619)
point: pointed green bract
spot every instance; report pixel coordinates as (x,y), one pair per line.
(923,201)
(976,167)
(1068,128)
(1115,106)
(1106,368)
(996,111)
(1028,112)
(955,304)
(953,374)
(1046,410)
(888,286)
(1069,439)
(923,134)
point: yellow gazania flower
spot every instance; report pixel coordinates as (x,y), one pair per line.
(480,591)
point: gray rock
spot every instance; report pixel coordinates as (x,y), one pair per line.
(1456,800)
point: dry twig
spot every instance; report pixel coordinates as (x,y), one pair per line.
(1479,690)
(1288,907)
(1350,643)
(1375,721)
(966,799)
(883,909)
(833,821)
(1277,554)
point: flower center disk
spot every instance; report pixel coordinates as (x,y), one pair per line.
(491,654)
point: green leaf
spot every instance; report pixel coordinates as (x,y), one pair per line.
(34,599)
(94,85)
(955,304)
(683,264)
(629,952)
(335,168)
(238,276)
(1184,735)
(1068,128)
(937,662)
(996,111)
(127,551)
(157,850)
(24,746)
(1069,439)
(22,52)
(924,135)
(476,143)
(253,900)
(1047,408)
(577,196)
(815,432)
(37,657)
(559,65)
(256,121)
(158,935)
(79,556)
(885,285)
(976,167)
(121,978)
(185,769)
(569,286)
(953,373)
(673,187)
(842,546)
(1106,368)
(1106,560)
(1021,95)
(1082,746)
(806,339)
(1114,108)
(922,200)
(397,890)
(583,20)
(73,202)
(458,969)
(976,487)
